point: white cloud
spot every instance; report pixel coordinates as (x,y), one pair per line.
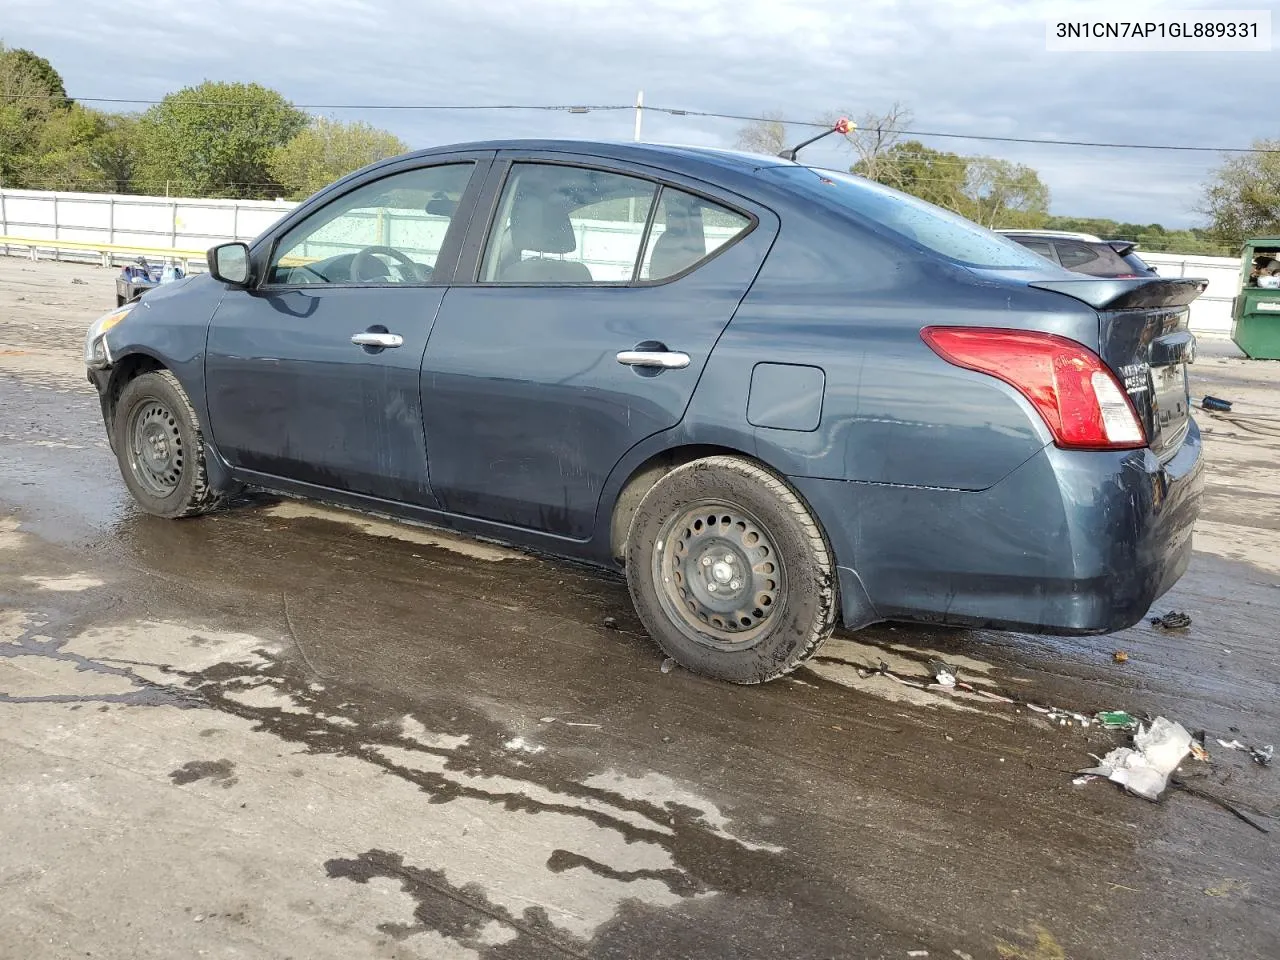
(962,66)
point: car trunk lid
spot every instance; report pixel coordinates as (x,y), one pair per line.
(1143,336)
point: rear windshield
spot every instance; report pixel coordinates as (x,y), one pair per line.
(939,230)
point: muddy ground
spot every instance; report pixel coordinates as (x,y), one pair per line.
(290,731)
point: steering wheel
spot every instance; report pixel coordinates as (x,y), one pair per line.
(302,273)
(363,259)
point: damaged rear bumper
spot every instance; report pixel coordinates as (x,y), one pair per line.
(1072,542)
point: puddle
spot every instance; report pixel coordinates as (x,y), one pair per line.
(73,583)
(10,538)
(464,840)
(409,533)
(843,661)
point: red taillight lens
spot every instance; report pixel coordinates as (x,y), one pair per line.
(1078,397)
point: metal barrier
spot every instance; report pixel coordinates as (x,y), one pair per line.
(121,224)
(106,251)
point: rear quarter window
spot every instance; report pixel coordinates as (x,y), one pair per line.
(1075,255)
(1041,247)
(931,227)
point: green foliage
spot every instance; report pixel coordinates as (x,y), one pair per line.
(932,175)
(116,152)
(1149,236)
(1242,197)
(26,102)
(215,139)
(40,70)
(62,158)
(1000,193)
(992,192)
(326,150)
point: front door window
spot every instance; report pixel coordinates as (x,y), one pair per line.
(387,231)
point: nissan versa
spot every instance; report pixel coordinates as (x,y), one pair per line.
(780,397)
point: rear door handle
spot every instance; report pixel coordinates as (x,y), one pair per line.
(378,340)
(663,359)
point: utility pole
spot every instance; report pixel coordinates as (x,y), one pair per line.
(639,112)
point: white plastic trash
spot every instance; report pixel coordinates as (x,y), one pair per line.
(1145,771)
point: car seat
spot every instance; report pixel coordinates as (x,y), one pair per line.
(541,228)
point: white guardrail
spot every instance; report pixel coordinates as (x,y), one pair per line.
(91,224)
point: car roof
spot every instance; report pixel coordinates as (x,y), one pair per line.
(737,160)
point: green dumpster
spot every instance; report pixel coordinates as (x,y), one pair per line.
(1255,320)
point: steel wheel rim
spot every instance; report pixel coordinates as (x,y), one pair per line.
(156,454)
(718,574)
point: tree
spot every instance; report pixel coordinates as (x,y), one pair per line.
(767,135)
(115,153)
(62,158)
(873,138)
(1004,194)
(1152,236)
(26,101)
(41,70)
(1242,196)
(933,175)
(216,139)
(326,150)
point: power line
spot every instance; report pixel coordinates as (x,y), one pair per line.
(560,107)
(967,136)
(685,112)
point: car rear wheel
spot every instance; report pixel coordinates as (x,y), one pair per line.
(729,572)
(157,441)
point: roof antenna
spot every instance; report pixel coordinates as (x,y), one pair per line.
(842,126)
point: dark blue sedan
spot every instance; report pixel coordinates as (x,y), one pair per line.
(780,397)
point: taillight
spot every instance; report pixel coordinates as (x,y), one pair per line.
(1079,398)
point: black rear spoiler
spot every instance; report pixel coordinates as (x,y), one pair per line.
(1141,294)
(1122,247)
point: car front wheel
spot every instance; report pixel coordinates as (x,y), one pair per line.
(158,443)
(729,571)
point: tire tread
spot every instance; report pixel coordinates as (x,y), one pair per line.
(203,498)
(811,534)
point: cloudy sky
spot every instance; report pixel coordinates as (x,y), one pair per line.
(961,66)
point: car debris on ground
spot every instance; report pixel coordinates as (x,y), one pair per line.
(1144,771)
(1172,621)
(1116,720)
(1260,755)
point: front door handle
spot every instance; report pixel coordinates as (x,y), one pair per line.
(368,339)
(662,359)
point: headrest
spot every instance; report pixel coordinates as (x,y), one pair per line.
(541,227)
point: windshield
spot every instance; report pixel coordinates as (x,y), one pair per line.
(940,230)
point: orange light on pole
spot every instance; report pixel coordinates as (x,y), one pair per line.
(842,126)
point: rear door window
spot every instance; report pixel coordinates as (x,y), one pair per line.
(559,224)
(687,230)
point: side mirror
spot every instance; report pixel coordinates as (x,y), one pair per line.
(229,262)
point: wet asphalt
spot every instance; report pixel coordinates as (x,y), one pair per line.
(289,730)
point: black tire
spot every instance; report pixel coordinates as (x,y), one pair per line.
(773,599)
(169,478)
